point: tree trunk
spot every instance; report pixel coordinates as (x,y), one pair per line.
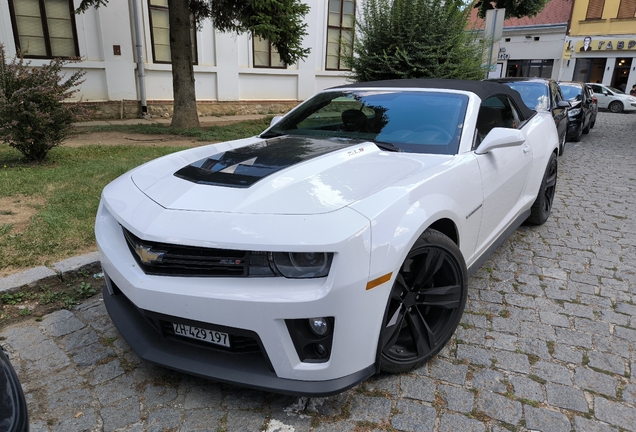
(185,101)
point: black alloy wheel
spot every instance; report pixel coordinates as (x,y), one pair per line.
(426,303)
(542,206)
(615,107)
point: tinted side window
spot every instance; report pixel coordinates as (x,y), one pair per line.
(555,95)
(496,111)
(597,89)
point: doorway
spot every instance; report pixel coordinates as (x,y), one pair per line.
(621,73)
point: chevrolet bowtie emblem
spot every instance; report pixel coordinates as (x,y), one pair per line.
(147,256)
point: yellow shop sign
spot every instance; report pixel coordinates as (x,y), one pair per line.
(592,44)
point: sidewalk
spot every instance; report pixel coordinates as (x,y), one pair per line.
(204,121)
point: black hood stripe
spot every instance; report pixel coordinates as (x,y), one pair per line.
(244,166)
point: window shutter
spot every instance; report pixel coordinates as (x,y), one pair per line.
(627,9)
(595,9)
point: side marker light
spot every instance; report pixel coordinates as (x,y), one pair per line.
(379,281)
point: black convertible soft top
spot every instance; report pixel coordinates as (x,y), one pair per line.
(483,89)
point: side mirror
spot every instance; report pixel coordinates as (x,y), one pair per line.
(607,93)
(564,104)
(499,138)
(275,120)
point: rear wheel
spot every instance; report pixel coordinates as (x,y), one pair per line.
(542,206)
(615,107)
(426,303)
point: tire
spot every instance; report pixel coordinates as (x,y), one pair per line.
(562,143)
(615,107)
(426,303)
(542,206)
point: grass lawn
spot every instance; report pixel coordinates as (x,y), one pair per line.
(53,205)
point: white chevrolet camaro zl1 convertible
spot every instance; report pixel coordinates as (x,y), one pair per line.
(335,245)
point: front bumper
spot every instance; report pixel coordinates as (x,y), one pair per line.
(573,126)
(258,305)
(244,369)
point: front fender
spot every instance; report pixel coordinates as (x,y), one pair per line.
(400,214)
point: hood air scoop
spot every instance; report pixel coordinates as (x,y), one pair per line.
(244,166)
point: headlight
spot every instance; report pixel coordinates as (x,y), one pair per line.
(302,264)
(574,112)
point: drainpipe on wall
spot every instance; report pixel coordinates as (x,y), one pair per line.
(141,73)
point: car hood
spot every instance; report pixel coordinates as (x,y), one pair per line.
(286,175)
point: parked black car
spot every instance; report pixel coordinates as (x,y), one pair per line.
(13,408)
(582,114)
(543,94)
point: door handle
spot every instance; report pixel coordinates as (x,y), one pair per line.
(526,149)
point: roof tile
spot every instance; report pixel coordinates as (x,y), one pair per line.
(555,12)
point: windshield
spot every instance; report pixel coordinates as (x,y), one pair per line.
(571,92)
(534,94)
(615,90)
(410,121)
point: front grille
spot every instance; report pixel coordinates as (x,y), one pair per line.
(177,260)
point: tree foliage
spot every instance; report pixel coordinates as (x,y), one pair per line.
(33,115)
(415,39)
(514,8)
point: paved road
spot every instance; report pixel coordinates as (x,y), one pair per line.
(548,340)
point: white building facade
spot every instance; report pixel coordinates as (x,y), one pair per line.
(227,67)
(532,46)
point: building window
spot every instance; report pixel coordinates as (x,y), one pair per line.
(44,28)
(265,54)
(595,9)
(160,32)
(530,68)
(627,9)
(340,33)
(589,70)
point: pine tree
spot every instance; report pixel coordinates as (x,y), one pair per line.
(415,39)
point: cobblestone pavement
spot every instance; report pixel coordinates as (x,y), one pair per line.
(547,343)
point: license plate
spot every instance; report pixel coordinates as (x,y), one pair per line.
(212,336)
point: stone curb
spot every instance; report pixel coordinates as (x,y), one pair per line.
(41,273)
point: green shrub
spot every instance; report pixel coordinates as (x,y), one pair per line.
(33,115)
(416,39)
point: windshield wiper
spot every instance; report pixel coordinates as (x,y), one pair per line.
(388,146)
(272,134)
